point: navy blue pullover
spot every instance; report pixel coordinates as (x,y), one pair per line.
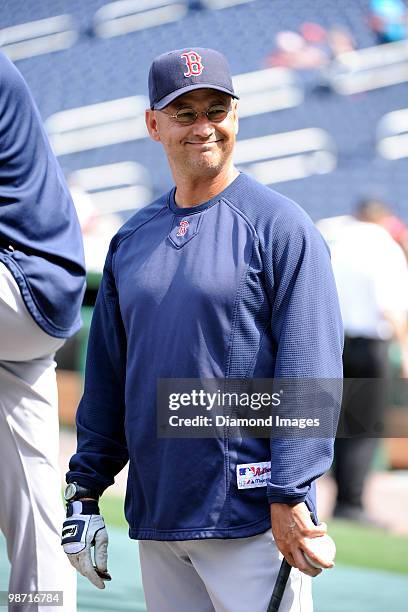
(246,291)
(40,237)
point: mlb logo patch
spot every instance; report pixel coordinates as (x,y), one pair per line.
(253,475)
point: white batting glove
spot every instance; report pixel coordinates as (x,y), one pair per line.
(83,528)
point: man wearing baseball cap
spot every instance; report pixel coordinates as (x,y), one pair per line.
(221,278)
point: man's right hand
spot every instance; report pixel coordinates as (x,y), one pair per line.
(291,526)
(83,528)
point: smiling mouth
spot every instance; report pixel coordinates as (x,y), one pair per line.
(203,144)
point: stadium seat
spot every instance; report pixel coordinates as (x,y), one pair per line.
(80,88)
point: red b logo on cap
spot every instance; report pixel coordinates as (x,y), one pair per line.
(193,63)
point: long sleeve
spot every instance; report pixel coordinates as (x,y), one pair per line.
(101,451)
(37,215)
(307,331)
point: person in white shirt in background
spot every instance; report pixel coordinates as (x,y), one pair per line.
(371,274)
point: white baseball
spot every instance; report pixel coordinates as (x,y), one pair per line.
(324,547)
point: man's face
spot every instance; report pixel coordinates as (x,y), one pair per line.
(203,147)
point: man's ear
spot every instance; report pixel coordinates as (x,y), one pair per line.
(235,116)
(151,124)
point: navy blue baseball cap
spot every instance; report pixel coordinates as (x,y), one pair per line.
(175,73)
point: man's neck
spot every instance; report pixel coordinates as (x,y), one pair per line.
(190,192)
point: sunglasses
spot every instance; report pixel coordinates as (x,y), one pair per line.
(187,116)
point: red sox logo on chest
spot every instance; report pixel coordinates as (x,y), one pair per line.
(183,228)
(193,63)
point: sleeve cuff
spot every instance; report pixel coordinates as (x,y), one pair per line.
(86,482)
(279,498)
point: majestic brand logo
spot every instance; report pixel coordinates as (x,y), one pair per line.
(251,475)
(193,63)
(183,228)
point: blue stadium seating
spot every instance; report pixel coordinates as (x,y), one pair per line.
(96,70)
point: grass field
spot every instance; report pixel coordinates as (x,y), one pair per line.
(357,546)
(369,547)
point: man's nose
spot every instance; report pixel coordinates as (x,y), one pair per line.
(203,126)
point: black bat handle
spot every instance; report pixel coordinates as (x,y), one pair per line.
(279,587)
